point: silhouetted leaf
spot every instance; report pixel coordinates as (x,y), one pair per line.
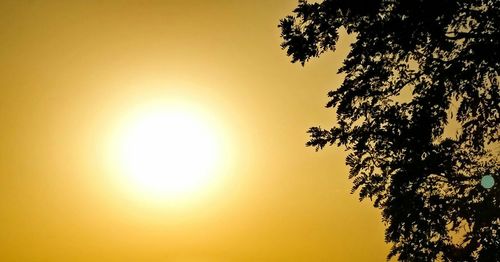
(426,184)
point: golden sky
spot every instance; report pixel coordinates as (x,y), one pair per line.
(72,71)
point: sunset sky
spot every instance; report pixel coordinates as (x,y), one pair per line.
(78,77)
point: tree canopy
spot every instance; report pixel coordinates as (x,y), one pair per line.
(446,55)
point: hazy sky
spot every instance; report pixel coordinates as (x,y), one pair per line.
(70,71)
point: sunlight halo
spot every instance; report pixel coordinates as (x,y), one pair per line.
(169,152)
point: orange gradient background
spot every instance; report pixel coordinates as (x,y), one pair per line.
(71,71)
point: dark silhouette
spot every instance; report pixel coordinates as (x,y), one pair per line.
(446,55)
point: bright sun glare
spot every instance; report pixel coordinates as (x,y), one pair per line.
(169,152)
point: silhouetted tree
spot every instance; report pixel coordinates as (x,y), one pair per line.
(446,55)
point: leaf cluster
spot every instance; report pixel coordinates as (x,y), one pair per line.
(446,54)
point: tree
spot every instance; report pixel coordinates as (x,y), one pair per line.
(446,55)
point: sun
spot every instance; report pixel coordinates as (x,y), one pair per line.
(169,152)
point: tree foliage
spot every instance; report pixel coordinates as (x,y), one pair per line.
(446,55)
